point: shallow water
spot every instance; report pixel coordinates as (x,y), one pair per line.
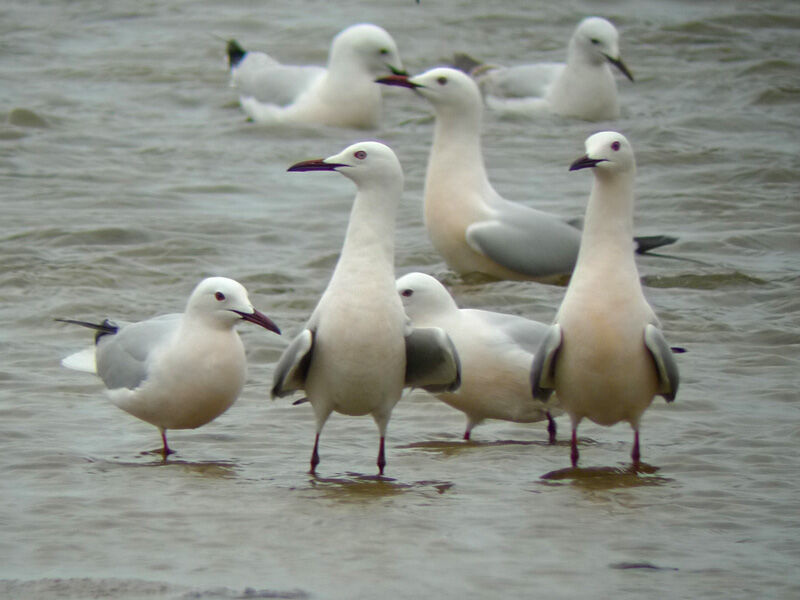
(128,173)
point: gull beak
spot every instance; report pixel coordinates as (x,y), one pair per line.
(317,164)
(398,79)
(584,162)
(260,319)
(396,71)
(617,62)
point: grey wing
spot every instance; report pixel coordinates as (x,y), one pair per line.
(668,378)
(544,364)
(526,333)
(292,368)
(276,83)
(522,81)
(122,359)
(432,361)
(526,240)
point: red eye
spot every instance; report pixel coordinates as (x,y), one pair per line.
(615,146)
(219,296)
(360,154)
(407,293)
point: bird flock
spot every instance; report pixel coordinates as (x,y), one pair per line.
(372,335)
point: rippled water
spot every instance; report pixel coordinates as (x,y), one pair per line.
(128,173)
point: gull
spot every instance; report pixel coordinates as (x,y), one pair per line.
(358,351)
(175,371)
(343,94)
(496,351)
(605,355)
(583,88)
(469,223)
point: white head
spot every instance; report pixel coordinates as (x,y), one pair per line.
(596,40)
(423,296)
(606,152)
(365,163)
(367,47)
(223,302)
(448,90)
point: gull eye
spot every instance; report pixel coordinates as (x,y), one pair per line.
(442,80)
(615,146)
(360,154)
(219,296)
(384,51)
(407,293)
(595,41)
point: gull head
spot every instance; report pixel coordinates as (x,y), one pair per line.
(597,40)
(363,163)
(223,302)
(606,152)
(443,87)
(368,48)
(423,296)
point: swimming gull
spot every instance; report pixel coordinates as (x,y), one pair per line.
(358,351)
(605,355)
(583,88)
(496,352)
(175,371)
(469,223)
(343,94)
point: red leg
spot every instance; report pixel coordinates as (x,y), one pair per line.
(381,457)
(574,453)
(636,454)
(467,434)
(315,456)
(166,450)
(551,429)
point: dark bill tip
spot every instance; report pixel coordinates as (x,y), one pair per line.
(617,62)
(260,319)
(398,80)
(317,164)
(584,162)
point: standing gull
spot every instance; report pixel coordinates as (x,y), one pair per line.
(583,88)
(343,94)
(176,371)
(605,355)
(358,351)
(496,351)
(469,223)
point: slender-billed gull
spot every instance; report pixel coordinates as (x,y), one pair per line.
(584,87)
(175,371)
(358,351)
(605,355)
(469,223)
(343,94)
(496,352)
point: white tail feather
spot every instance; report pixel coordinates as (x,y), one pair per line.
(81,361)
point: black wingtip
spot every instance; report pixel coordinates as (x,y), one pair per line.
(650,242)
(465,63)
(105,328)
(235,53)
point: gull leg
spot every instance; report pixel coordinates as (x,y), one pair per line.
(315,456)
(551,428)
(574,451)
(636,455)
(165,450)
(381,456)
